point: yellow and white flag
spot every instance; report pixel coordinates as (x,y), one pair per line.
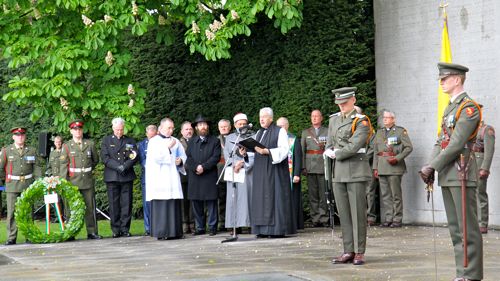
(443,99)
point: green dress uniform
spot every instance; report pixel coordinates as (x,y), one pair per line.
(452,142)
(483,148)
(351,174)
(392,146)
(371,191)
(313,142)
(21,166)
(76,165)
(54,164)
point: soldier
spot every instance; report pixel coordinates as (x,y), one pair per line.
(78,160)
(313,142)
(21,165)
(459,126)
(483,148)
(348,137)
(119,155)
(55,158)
(392,146)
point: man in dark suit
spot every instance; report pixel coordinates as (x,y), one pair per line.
(119,154)
(203,154)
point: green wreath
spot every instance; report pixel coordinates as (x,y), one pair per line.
(37,190)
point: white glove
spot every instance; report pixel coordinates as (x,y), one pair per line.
(329,153)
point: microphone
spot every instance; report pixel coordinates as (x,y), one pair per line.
(245,129)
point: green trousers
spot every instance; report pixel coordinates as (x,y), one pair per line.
(392,198)
(482,203)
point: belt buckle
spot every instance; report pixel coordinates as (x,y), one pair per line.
(21,178)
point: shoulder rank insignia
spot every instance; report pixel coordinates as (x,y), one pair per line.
(469,111)
(364,123)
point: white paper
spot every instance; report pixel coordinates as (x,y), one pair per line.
(51,198)
(238,177)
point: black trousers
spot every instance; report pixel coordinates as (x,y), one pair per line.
(120,205)
(199,214)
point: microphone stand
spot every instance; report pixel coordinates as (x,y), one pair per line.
(233,237)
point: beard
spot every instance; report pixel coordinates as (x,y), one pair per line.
(203,132)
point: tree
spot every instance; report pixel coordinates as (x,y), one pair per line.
(73,63)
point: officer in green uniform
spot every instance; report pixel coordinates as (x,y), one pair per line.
(313,142)
(459,126)
(483,148)
(54,164)
(78,160)
(348,136)
(392,146)
(21,165)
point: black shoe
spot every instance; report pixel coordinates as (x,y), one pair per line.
(199,232)
(126,234)
(213,233)
(10,242)
(319,224)
(93,236)
(147,233)
(161,238)
(27,241)
(259,236)
(72,238)
(116,235)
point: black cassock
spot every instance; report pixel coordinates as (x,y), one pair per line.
(271,199)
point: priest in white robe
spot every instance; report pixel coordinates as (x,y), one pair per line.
(165,160)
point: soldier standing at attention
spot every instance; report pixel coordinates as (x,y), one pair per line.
(392,146)
(483,148)
(313,142)
(78,160)
(348,137)
(55,158)
(21,166)
(459,127)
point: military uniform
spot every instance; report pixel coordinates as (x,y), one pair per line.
(371,191)
(21,166)
(483,148)
(458,129)
(391,143)
(77,164)
(54,165)
(347,137)
(313,145)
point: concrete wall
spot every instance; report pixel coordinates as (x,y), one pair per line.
(407,48)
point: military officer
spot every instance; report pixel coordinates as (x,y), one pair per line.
(392,146)
(55,158)
(21,165)
(459,126)
(78,160)
(483,148)
(313,142)
(348,137)
(119,155)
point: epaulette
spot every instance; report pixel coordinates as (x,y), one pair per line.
(359,116)
(335,114)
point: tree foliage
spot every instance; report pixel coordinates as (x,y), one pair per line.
(74,62)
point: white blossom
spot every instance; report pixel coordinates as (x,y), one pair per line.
(131,103)
(64,103)
(135,9)
(37,14)
(109,58)
(223,19)
(195,28)
(107,18)
(161,20)
(130,89)
(210,35)
(87,21)
(234,15)
(216,25)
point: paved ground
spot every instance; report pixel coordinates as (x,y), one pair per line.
(392,254)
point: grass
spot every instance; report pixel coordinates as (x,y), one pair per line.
(136,228)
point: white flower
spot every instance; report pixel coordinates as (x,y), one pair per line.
(131,103)
(130,89)
(195,28)
(109,58)
(87,21)
(234,15)
(64,103)
(161,20)
(37,14)
(216,25)
(135,9)
(107,18)
(210,35)
(223,19)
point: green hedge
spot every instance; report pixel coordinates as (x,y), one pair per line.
(293,74)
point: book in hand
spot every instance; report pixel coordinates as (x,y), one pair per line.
(250,144)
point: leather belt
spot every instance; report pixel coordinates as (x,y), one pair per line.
(386,154)
(80,170)
(314,151)
(20,178)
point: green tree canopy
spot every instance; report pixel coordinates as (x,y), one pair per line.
(73,61)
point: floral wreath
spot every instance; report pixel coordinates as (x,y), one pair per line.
(39,188)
